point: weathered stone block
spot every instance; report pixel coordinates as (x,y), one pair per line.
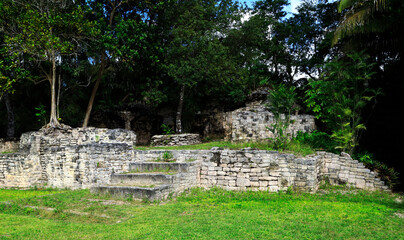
(175,139)
(243,182)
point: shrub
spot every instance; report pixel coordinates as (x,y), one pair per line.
(282,103)
(340,95)
(386,173)
(318,141)
(168,157)
(166,129)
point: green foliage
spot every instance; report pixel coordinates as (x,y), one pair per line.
(282,102)
(11,71)
(48,34)
(196,54)
(168,157)
(340,95)
(41,114)
(386,173)
(299,148)
(42,33)
(318,141)
(308,43)
(166,129)
(367,17)
(294,146)
(166,170)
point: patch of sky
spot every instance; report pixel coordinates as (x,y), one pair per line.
(290,8)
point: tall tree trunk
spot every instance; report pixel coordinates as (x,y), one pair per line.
(178,124)
(94,92)
(58,97)
(53,117)
(101,71)
(10,116)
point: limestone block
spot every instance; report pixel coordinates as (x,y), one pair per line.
(300,184)
(243,182)
(232,183)
(222,182)
(268,178)
(275,173)
(175,139)
(360,183)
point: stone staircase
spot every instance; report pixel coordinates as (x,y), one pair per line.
(149,180)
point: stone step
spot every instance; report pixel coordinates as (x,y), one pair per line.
(138,193)
(142,178)
(156,166)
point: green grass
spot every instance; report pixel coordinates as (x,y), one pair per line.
(200,214)
(11,194)
(8,152)
(166,170)
(293,147)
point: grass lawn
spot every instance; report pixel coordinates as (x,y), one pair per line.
(294,147)
(200,214)
(11,194)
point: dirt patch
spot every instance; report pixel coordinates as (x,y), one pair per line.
(109,202)
(400,215)
(68,211)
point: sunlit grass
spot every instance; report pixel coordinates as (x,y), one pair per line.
(11,194)
(293,146)
(201,214)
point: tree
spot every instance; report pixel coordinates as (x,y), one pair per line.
(46,31)
(272,43)
(195,52)
(10,73)
(11,69)
(127,45)
(340,95)
(282,103)
(310,34)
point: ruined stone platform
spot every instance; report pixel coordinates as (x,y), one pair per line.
(100,158)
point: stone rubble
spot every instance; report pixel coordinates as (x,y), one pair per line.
(251,124)
(7,146)
(175,139)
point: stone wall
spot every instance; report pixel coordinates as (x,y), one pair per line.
(34,141)
(8,146)
(266,170)
(19,170)
(83,160)
(344,170)
(73,158)
(175,139)
(250,124)
(259,170)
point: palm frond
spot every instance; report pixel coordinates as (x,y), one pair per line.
(352,23)
(344,4)
(357,17)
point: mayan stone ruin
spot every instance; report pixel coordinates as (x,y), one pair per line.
(104,160)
